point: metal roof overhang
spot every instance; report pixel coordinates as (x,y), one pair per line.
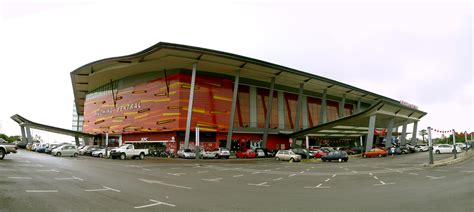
(167,56)
(357,125)
(27,123)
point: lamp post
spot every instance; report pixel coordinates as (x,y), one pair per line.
(430,146)
(465,140)
(454,145)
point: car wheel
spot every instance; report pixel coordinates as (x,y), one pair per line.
(122,156)
(364,156)
(100,155)
(340,160)
(438,152)
(324,160)
(75,155)
(58,154)
(379,155)
(2,154)
(292,160)
(142,156)
(277,158)
(345,160)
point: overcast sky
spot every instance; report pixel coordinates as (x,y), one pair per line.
(412,50)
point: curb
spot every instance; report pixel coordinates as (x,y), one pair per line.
(461,157)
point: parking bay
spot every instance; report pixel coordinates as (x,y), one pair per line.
(50,183)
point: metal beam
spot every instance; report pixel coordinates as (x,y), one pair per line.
(190,108)
(269,113)
(232,111)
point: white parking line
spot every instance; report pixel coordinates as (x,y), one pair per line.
(277,179)
(155,203)
(327,179)
(291,175)
(202,171)
(239,175)
(48,170)
(162,183)
(371,174)
(413,173)
(41,191)
(436,178)
(213,180)
(21,178)
(31,165)
(146,169)
(334,175)
(318,186)
(105,188)
(384,183)
(301,172)
(176,174)
(468,171)
(256,173)
(355,172)
(260,184)
(375,177)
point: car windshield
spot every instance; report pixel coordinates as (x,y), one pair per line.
(188,150)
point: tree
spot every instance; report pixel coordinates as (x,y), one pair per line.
(423,133)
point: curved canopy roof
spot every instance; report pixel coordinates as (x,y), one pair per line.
(169,56)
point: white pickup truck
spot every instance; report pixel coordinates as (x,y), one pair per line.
(128,151)
(6,148)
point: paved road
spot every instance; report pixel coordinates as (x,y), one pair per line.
(32,181)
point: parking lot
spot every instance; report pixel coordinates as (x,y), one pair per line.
(42,182)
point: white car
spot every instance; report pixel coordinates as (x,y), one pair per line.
(207,154)
(421,148)
(186,153)
(287,155)
(445,148)
(65,150)
(100,153)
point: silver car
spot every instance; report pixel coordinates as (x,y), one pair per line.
(186,153)
(65,150)
(287,155)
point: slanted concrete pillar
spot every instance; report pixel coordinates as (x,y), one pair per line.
(23,136)
(323,114)
(413,138)
(342,103)
(370,133)
(358,105)
(281,110)
(28,134)
(404,134)
(190,107)
(232,111)
(269,113)
(388,137)
(298,109)
(253,106)
(304,112)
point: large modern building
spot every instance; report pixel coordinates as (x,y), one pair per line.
(163,93)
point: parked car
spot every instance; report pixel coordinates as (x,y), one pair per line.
(249,153)
(288,155)
(42,148)
(65,150)
(128,151)
(421,148)
(260,153)
(357,149)
(6,148)
(186,153)
(375,152)
(84,149)
(303,152)
(92,149)
(321,153)
(336,155)
(445,148)
(222,153)
(461,145)
(101,152)
(207,154)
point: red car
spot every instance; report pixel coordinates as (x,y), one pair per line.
(375,152)
(249,153)
(320,153)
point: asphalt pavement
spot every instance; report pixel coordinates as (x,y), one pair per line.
(39,182)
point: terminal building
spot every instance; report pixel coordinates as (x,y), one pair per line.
(160,95)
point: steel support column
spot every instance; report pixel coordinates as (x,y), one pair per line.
(304,112)
(253,106)
(403,141)
(76,138)
(232,111)
(190,107)
(281,110)
(323,118)
(298,109)
(413,138)
(370,133)
(269,114)
(358,105)
(388,137)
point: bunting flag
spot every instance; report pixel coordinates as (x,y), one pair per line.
(450,131)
